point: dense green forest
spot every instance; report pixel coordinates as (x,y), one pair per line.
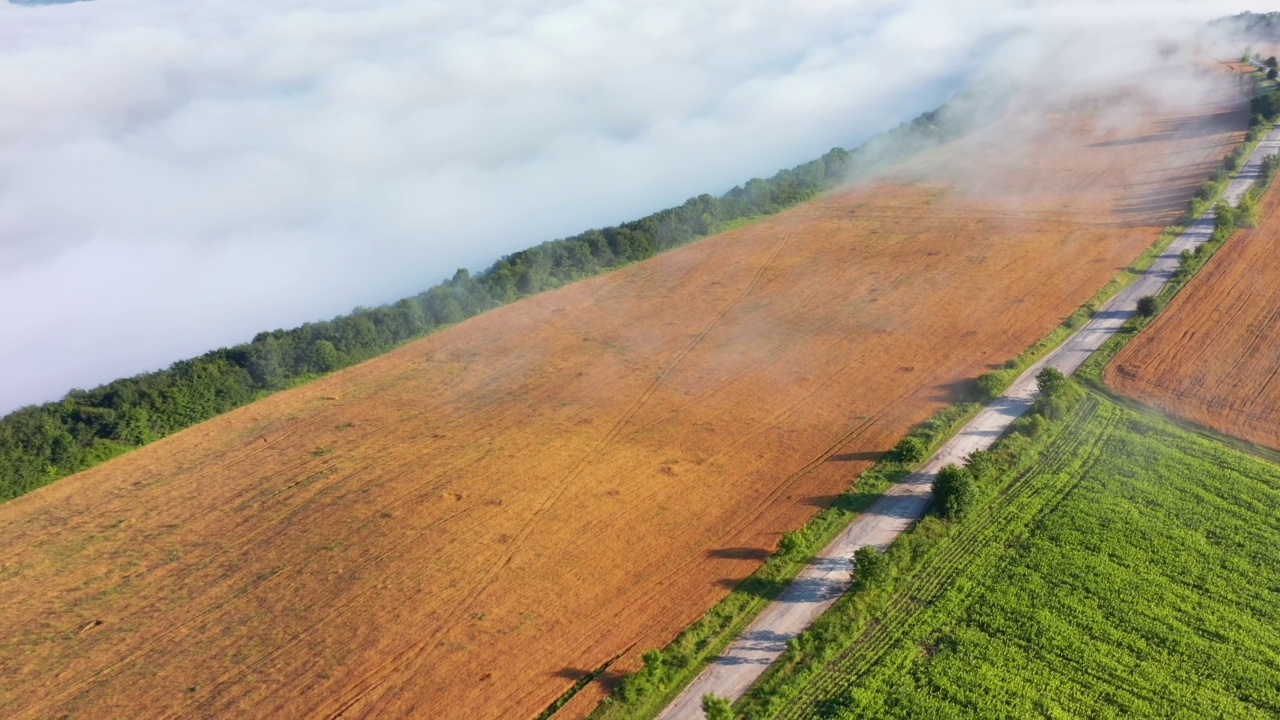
(39,444)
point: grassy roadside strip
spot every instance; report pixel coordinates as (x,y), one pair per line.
(667,671)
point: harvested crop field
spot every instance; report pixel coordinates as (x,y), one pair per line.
(1212,355)
(467,525)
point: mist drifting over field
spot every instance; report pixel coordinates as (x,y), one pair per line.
(176,177)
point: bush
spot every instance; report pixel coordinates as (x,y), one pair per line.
(1247,214)
(870,567)
(716,707)
(1268,106)
(1226,219)
(1270,165)
(910,450)
(791,543)
(1148,306)
(981,464)
(1050,381)
(1058,405)
(1032,425)
(953,493)
(990,385)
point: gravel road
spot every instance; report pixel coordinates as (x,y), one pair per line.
(828,576)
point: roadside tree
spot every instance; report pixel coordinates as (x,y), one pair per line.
(953,493)
(870,567)
(1050,381)
(910,450)
(716,707)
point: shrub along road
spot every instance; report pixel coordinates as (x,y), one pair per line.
(828,576)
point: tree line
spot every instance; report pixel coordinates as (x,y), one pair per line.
(1250,25)
(41,443)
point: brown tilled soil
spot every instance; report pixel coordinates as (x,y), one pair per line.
(463,527)
(1213,356)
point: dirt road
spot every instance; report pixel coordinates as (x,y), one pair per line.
(818,586)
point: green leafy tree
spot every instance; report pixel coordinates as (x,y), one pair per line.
(266,365)
(791,543)
(1225,219)
(1270,165)
(871,568)
(910,450)
(1050,381)
(1247,214)
(716,707)
(990,385)
(1267,106)
(1148,306)
(953,493)
(981,464)
(324,357)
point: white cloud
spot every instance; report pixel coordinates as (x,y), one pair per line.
(177,176)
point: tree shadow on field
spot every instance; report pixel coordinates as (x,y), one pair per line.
(1210,123)
(954,390)
(1196,126)
(843,501)
(1140,140)
(1155,203)
(608,678)
(1165,200)
(581,678)
(739,553)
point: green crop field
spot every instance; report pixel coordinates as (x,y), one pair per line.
(1125,568)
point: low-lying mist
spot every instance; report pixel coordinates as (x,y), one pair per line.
(176,177)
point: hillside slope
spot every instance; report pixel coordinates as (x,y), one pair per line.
(468,524)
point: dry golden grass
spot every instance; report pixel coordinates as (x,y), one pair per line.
(464,526)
